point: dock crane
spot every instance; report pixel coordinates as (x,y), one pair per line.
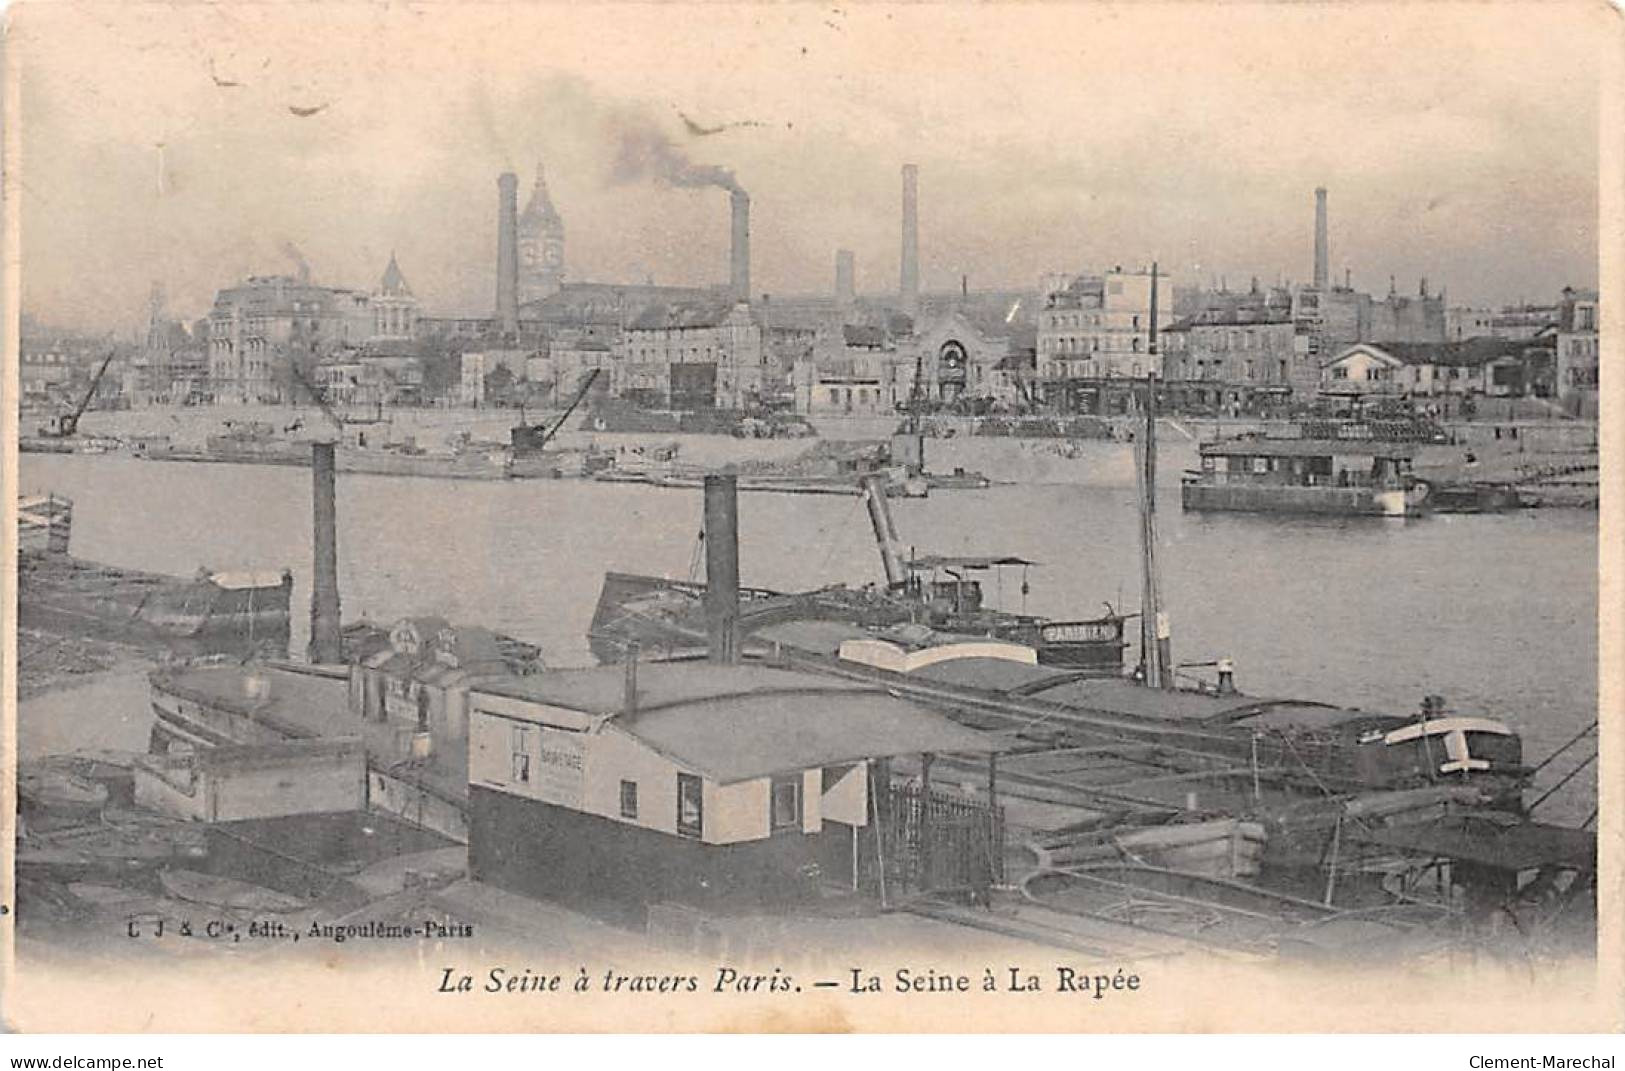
(318,396)
(532,438)
(66,425)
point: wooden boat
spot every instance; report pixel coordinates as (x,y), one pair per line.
(1476,498)
(212,612)
(227,893)
(44,524)
(59,791)
(1220,847)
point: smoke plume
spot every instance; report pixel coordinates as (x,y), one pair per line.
(292,252)
(645,154)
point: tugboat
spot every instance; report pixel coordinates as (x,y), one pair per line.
(927,599)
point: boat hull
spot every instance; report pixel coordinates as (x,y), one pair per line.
(203,615)
(1281,498)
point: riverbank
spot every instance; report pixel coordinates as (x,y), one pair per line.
(1555,462)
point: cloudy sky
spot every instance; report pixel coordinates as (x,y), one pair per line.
(164,143)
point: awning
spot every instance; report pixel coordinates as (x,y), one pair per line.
(950,561)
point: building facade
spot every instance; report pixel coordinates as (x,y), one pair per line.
(1578,349)
(695,356)
(270,330)
(1094,335)
(1237,356)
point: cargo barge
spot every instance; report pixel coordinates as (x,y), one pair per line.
(242,613)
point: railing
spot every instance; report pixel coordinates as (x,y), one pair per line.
(941,842)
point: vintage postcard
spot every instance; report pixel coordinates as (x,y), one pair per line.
(718,517)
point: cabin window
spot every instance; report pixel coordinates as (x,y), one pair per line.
(1261,465)
(629,799)
(690,808)
(521,754)
(785,801)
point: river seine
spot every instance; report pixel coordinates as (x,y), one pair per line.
(1497,613)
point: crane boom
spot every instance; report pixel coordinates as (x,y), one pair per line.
(581,392)
(67,425)
(317,396)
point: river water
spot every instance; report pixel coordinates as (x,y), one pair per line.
(1497,612)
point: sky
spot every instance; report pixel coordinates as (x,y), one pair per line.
(164,143)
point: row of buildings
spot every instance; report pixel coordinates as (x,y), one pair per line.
(1075,343)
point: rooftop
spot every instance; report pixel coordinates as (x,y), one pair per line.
(1307,448)
(661,317)
(736,723)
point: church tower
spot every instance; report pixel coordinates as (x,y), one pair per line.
(394,306)
(541,245)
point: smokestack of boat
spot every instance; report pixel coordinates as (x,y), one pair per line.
(326,645)
(722,568)
(739,251)
(629,695)
(891,558)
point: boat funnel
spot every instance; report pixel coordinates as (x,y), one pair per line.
(722,567)
(326,645)
(629,684)
(891,557)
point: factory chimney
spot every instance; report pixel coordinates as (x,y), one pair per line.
(722,568)
(739,264)
(909,283)
(325,645)
(1322,252)
(846,278)
(508,253)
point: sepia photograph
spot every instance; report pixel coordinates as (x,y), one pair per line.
(736,517)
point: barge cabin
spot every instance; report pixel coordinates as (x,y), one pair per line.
(717,786)
(1336,476)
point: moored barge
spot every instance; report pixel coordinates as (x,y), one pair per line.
(1346,477)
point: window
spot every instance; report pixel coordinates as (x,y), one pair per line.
(785,802)
(690,809)
(521,754)
(629,799)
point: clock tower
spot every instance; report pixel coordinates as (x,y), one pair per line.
(541,245)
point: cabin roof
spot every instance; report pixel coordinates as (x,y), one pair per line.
(737,723)
(1307,448)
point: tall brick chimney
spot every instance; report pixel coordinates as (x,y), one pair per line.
(909,284)
(739,247)
(846,278)
(508,253)
(1322,248)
